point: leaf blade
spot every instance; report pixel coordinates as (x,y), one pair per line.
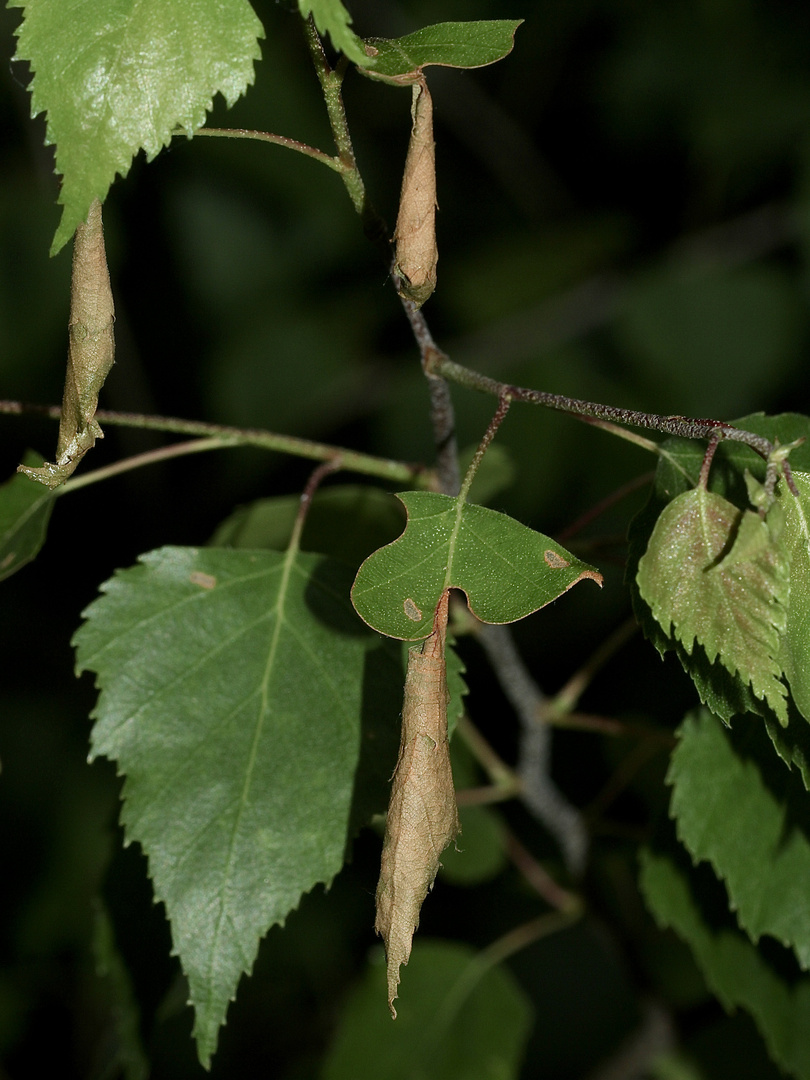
(116,79)
(506,570)
(239,752)
(449,44)
(735,970)
(742,816)
(716,575)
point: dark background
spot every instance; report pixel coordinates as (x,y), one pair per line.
(623,218)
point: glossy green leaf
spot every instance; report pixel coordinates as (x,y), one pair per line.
(231,700)
(451,44)
(770,987)
(332,18)
(718,576)
(25,510)
(461,1019)
(749,817)
(507,570)
(118,78)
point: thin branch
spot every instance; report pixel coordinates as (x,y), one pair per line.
(539,792)
(502,777)
(442,413)
(489,435)
(331,80)
(395,471)
(683,426)
(138,461)
(603,505)
(333,163)
(305,502)
(539,878)
(501,949)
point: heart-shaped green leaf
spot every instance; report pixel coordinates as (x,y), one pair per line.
(719,576)
(450,44)
(233,691)
(507,570)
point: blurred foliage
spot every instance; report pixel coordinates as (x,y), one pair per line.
(625,217)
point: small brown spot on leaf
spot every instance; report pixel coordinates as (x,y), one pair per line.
(369,49)
(554,560)
(205,581)
(412,611)
(9,559)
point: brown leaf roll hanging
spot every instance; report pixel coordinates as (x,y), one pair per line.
(422,815)
(91,351)
(415,233)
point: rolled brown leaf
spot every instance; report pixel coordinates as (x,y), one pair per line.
(91,351)
(422,816)
(415,233)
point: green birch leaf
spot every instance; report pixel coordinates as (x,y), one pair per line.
(450,44)
(740,810)
(767,983)
(462,1018)
(347,522)
(332,18)
(506,570)
(726,694)
(231,699)
(717,575)
(25,510)
(116,78)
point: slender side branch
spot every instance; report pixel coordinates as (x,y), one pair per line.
(315,480)
(682,426)
(489,435)
(334,163)
(396,471)
(441,403)
(331,80)
(138,461)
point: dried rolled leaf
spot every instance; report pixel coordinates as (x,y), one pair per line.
(415,233)
(422,816)
(91,351)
